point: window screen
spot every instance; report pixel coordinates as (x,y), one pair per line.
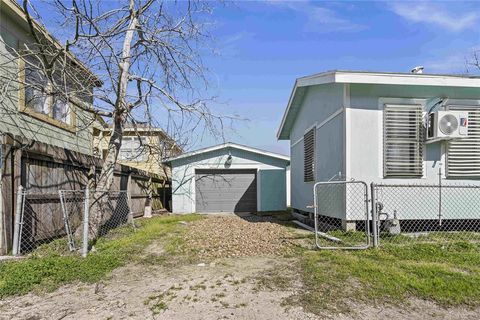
(402,141)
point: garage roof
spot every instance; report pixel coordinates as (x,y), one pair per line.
(229,145)
(363,77)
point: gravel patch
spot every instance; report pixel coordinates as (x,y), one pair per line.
(228,237)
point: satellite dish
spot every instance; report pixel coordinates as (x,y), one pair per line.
(448,124)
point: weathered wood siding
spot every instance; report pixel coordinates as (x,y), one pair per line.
(43,170)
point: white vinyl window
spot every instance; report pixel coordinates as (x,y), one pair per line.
(402,141)
(133,150)
(463,155)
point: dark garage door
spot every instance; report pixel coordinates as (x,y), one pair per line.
(226,190)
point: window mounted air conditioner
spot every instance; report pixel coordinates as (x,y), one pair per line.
(446,125)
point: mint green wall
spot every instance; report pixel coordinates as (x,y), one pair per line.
(271,177)
(14,122)
(365,125)
(273,190)
(319,103)
(365,152)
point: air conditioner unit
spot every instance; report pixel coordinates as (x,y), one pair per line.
(445,125)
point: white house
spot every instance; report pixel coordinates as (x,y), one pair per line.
(370,126)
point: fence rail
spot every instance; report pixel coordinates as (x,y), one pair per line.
(68,220)
(346,217)
(441,214)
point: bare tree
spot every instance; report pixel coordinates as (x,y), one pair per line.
(141,61)
(474,62)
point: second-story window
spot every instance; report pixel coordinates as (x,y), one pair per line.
(43,98)
(36,91)
(134,149)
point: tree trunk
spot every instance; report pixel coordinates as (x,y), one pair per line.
(100,207)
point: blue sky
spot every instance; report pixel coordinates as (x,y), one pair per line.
(264,46)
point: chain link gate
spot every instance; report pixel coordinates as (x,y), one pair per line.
(341,215)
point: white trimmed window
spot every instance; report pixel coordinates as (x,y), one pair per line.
(463,155)
(402,141)
(309,156)
(133,149)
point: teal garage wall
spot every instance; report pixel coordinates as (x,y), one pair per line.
(273,189)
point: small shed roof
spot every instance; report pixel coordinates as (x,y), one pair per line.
(363,77)
(226,146)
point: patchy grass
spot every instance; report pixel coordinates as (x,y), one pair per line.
(325,280)
(276,278)
(448,276)
(47,269)
(156,303)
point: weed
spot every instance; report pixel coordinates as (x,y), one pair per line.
(158,307)
(198,287)
(241,305)
(391,274)
(48,270)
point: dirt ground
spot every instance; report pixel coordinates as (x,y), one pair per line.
(224,288)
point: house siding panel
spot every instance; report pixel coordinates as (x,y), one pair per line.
(365,122)
(365,154)
(14,122)
(319,103)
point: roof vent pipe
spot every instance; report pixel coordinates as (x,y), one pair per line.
(417,70)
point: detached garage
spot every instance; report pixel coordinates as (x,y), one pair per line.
(229,178)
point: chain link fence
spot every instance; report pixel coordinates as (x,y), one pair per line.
(39,220)
(341,215)
(73,207)
(438,214)
(68,221)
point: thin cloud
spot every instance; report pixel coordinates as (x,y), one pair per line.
(319,19)
(453,64)
(427,13)
(326,20)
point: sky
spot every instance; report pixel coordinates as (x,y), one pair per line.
(264,46)
(261,47)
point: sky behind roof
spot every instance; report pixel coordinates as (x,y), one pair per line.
(265,46)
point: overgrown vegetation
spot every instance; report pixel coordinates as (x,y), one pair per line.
(47,269)
(448,276)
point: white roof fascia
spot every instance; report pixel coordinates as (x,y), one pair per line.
(378,78)
(389,78)
(227,145)
(292,94)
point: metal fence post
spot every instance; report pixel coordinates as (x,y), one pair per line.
(374,215)
(129,200)
(17,228)
(86,215)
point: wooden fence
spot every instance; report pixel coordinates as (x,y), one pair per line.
(44,169)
